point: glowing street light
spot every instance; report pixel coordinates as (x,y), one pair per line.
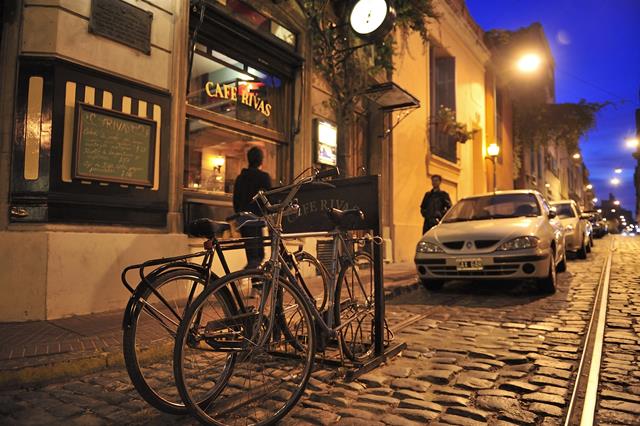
(632,143)
(617,171)
(493,150)
(616,203)
(529,62)
(589,187)
(615,181)
(576,156)
(595,200)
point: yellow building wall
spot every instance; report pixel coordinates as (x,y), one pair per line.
(412,162)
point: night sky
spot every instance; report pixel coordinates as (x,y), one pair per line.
(596,46)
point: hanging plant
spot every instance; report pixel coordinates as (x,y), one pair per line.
(446,123)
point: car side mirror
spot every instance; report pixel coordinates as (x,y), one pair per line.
(552,214)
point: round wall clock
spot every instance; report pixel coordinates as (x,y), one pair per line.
(371,19)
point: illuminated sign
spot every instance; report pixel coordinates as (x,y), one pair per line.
(242,93)
(326,138)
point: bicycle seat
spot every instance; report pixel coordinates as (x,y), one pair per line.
(207,228)
(345,218)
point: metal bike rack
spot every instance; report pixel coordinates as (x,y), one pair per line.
(359,192)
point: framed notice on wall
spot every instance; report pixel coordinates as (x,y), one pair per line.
(110,146)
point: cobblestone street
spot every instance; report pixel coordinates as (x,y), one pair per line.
(479,354)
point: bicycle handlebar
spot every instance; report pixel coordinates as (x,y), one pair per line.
(285,205)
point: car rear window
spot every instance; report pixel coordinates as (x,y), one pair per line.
(564,210)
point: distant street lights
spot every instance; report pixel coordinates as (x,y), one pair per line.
(576,156)
(493,151)
(589,187)
(615,181)
(616,202)
(617,171)
(595,201)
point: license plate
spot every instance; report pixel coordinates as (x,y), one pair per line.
(469,265)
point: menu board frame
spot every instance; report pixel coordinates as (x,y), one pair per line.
(77,142)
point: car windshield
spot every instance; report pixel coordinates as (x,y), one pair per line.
(496,206)
(564,210)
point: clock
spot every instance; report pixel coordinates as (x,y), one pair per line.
(371,19)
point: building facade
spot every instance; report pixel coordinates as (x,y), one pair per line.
(73,214)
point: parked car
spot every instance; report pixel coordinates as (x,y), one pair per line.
(576,227)
(498,236)
(598,224)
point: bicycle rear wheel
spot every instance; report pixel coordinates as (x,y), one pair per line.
(354,307)
(149,337)
(273,359)
(315,277)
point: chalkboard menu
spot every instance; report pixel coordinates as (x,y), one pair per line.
(110,146)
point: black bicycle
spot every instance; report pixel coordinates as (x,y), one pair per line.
(251,364)
(167,287)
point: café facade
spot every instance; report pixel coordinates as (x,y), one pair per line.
(117,134)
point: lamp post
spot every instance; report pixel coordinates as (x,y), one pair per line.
(493,151)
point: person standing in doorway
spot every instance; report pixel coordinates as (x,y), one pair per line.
(434,204)
(248,183)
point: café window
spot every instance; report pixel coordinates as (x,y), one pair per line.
(236,90)
(215,156)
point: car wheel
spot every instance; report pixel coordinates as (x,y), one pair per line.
(582,252)
(547,284)
(432,285)
(562,266)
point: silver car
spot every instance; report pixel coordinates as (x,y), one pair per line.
(502,235)
(577,228)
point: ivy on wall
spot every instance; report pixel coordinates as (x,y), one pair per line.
(348,64)
(563,124)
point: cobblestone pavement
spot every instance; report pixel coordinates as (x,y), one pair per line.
(619,394)
(494,353)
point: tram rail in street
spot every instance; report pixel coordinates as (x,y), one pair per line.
(584,397)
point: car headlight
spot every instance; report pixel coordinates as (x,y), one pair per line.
(569,228)
(425,247)
(520,243)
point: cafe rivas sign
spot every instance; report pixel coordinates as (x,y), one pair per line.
(244,96)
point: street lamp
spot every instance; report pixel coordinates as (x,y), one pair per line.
(615,181)
(493,151)
(529,62)
(576,156)
(616,203)
(595,200)
(617,171)
(632,143)
(589,187)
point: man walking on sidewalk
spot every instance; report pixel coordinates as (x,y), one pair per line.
(434,204)
(247,185)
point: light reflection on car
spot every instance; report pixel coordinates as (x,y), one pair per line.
(502,235)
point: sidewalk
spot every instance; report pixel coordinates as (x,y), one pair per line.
(37,351)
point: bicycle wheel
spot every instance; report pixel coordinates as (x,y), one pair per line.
(273,358)
(354,307)
(315,277)
(148,341)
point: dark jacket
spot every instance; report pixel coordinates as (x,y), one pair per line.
(247,185)
(434,205)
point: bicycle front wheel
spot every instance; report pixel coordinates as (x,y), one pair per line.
(149,337)
(273,353)
(354,307)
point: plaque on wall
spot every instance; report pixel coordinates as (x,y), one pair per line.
(122,22)
(110,146)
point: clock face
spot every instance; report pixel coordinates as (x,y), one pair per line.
(368,15)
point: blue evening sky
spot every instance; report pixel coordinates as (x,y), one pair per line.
(596,46)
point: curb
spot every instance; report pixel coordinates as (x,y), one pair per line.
(43,370)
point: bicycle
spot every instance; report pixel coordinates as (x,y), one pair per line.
(272,340)
(159,301)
